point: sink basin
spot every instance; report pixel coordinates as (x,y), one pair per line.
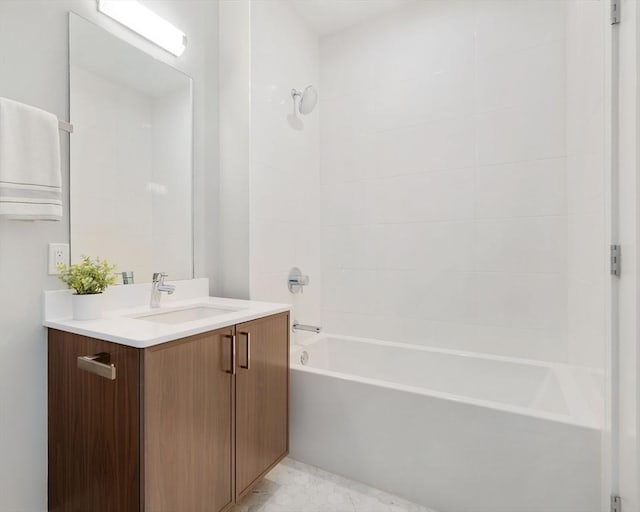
(190,314)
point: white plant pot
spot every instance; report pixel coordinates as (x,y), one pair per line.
(87,307)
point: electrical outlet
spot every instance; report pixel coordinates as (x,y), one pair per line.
(58,253)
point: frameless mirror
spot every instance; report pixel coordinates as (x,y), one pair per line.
(131,156)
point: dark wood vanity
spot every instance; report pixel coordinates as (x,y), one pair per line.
(184,426)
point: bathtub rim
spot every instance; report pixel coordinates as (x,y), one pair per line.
(580,413)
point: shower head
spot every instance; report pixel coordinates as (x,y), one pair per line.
(308,99)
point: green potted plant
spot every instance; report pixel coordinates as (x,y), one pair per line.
(89,279)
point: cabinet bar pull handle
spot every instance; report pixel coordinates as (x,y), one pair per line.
(232,337)
(248,365)
(98,364)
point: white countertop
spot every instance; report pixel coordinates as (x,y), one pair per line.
(119,325)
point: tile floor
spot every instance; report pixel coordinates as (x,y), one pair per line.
(296,487)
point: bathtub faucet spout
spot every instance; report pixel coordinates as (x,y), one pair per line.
(302,327)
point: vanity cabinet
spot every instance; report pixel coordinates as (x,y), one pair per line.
(189,425)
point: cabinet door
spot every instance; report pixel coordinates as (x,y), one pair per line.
(188,424)
(262,398)
(94,451)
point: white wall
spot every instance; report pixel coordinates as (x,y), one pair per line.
(33,52)
(446,215)
(284,188)
(235,146)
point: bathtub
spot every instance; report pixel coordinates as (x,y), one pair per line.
(454,431)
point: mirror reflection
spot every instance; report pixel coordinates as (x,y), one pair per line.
(131,156)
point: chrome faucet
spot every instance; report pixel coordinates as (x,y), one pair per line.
(157,287)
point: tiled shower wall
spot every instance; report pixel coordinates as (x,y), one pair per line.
(586,178)
(452,214)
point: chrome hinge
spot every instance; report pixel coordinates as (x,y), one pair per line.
(616,504)
(615,260)
(615,12)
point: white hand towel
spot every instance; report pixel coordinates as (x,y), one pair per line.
(30,178)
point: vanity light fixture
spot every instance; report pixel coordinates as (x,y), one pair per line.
(145,22)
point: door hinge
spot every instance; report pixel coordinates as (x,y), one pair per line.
(616,503)
(615,12)
(615,260)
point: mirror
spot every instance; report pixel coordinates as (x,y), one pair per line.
(131,156)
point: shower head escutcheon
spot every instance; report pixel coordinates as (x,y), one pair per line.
(308,99)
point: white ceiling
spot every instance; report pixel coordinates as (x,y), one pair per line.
(327,16)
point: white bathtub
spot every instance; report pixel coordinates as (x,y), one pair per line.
(456,431)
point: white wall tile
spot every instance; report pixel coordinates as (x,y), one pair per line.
(521,133)
(533,301)
(587,250)
(428,37)
(428,147)
(352,291)
(444,296)
(521,189)
(360,325)
(350,247)
(439,95)
(347,203)
(443,246)
(347,64)
(517,25)
(424,197)
(526,245)
(518,78)
(343,140)
(459,205)
(586,323)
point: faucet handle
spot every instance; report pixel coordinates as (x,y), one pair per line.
(158,277)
